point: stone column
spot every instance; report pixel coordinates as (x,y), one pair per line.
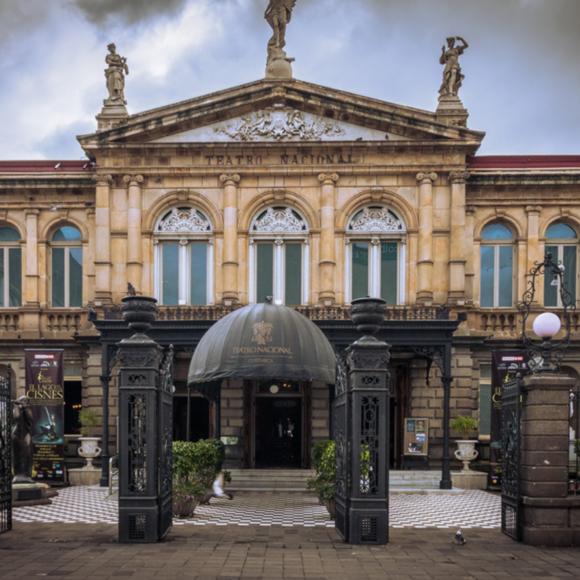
(550,515)
(534,251)
(457,239)
(103,240)
(31,298)
(230,260)
(30,315)
(469,253)
(425,261)
(327,261)
(134,233)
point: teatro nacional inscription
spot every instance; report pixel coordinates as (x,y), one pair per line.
(282,159)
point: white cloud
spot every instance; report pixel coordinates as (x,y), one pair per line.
(160,47)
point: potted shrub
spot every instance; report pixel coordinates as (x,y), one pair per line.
(195,466)
(324,482)
(88,448)
(465,426)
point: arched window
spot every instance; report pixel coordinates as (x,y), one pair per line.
(279,256)
(10,268)
(67,268)
(562,243)
(376,255)
(184,258)
(497,266)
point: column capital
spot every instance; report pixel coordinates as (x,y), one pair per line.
(328,178)
(104,179)
(133,179)
(459,177)
(470,209)
(533,209)
(426,177)
(33,212)
(230,178)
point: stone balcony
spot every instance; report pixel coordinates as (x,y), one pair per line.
(26,323)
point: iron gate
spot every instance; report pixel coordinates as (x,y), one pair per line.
(145,428)
(360,429)
(342,437)
(511,512)
(5,455)
(166,442)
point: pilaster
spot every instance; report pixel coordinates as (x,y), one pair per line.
(230,258)
(425,261)
(457,255)
(134,230)
(103,240)
(534,250)
(327,261)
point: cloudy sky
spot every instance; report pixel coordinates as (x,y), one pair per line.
(522,68)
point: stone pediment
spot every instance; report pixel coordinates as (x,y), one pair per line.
(280,111)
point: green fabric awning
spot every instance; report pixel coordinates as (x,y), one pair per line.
(263,341)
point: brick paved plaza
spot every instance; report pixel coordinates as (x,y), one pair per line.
(81,551)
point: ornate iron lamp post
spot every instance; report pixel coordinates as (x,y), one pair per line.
(547,355)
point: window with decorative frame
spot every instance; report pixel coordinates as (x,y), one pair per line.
(183,268)
(66,254)
(562,243)
(10,268)
(376,246)
(496,266)
(279,257)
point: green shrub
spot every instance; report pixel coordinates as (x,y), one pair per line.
(324,463)
(195,466)
(88,420)
(464,425)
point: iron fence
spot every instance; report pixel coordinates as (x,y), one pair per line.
(5,455)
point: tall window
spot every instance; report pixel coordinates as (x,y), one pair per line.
(184,256)
(562,243)
(10,268)
(497,261)
(279,257)
(375,256)
(67,268)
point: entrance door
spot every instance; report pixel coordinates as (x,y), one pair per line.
(278,432)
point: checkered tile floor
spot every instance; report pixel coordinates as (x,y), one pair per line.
(90,505)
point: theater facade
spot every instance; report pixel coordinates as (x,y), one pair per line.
(310,195)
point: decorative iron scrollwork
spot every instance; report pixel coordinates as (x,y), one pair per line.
(137,444)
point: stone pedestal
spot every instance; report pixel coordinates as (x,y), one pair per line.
(28,494)
(451,111)
(469,479)
(550,516)
(84,476)
(111,115)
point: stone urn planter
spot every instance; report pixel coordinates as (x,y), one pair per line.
(466,452)
(89,449)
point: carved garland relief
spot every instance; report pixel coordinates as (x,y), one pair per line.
(281,125)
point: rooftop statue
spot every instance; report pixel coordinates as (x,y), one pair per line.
(115,75)
(452,76)
(278,14)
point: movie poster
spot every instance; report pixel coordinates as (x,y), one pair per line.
(503,363)
(45,391)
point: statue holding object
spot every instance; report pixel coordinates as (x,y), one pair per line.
(452,75)
(115,75)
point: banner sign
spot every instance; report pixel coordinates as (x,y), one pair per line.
(45,391)
(504,363)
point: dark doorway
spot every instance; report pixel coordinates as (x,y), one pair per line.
(198,418)
(278,432)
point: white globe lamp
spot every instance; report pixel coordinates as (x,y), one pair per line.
(547,325)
